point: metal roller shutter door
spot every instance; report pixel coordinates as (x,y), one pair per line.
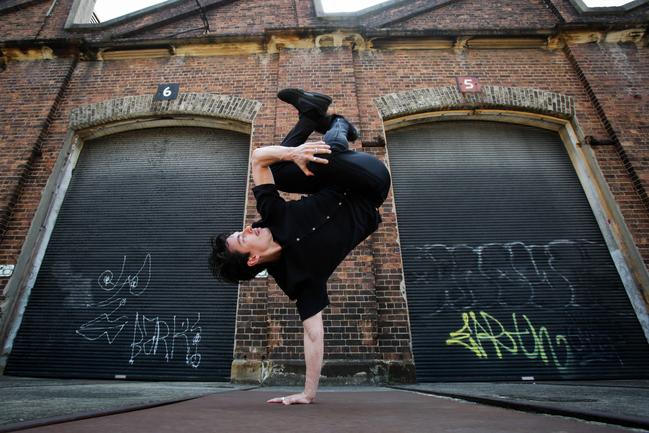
(507,274)
(124,288)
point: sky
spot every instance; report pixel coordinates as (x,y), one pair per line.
(108,9)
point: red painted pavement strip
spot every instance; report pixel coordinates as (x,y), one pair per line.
(357,412)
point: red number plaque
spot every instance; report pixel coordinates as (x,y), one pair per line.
(468,84)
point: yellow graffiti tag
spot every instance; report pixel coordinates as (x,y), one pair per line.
(525,339)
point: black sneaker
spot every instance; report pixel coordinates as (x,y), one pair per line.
(306,102)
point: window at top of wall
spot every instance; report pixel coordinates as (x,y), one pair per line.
(106,10)
(605,3)
(606,6)
(338,8)
(95,14)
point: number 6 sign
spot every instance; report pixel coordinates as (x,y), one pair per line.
(468,84)
(167,92)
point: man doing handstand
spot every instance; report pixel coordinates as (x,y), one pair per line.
(301,242)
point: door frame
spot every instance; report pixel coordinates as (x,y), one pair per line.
(97,120)
(619,240)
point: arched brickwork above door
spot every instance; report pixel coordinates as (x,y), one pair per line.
(496,97)
(187,104)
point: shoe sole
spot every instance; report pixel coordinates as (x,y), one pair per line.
(302,93)
(319,95)
(352,133)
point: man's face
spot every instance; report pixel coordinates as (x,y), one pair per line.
(254,241)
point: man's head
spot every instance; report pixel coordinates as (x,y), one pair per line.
(242,255)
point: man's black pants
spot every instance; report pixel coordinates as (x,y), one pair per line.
(349,170)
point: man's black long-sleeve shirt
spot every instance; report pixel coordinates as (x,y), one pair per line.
(316,233)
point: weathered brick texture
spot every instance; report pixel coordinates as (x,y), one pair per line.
(23,22)
(367,322)
(130,107)
(445,98)
(30,91)
(508,14)
(351,318)
(617,75)
(417,70)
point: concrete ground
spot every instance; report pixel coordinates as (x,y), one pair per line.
(31,401)
(624,403)
(53,405)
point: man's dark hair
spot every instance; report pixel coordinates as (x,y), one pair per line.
(230,265)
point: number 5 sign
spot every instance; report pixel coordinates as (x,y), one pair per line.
(167,92)
(468,84)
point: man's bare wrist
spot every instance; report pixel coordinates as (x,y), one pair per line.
(290,155)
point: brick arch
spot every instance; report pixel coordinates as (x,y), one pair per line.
(133,107)
(524,99)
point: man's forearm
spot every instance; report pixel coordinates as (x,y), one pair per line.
(264,157)
(313,353)
(268,155)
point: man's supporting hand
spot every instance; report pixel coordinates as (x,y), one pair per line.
(313,354)
(301,398)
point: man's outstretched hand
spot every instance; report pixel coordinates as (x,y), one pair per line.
(301,398)
(307,152)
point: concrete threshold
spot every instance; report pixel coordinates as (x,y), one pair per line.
(538,407)
(76,417)
(85,399)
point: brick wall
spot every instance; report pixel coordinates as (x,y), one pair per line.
(30,91)
(416,69)
(24,23)
(351,318)
(224,17)
(367,322)
(240,18)
(617,75)
(509,14)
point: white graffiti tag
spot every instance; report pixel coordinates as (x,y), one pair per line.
(151,334)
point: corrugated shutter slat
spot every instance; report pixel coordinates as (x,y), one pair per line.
(507,274)
(124,288)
